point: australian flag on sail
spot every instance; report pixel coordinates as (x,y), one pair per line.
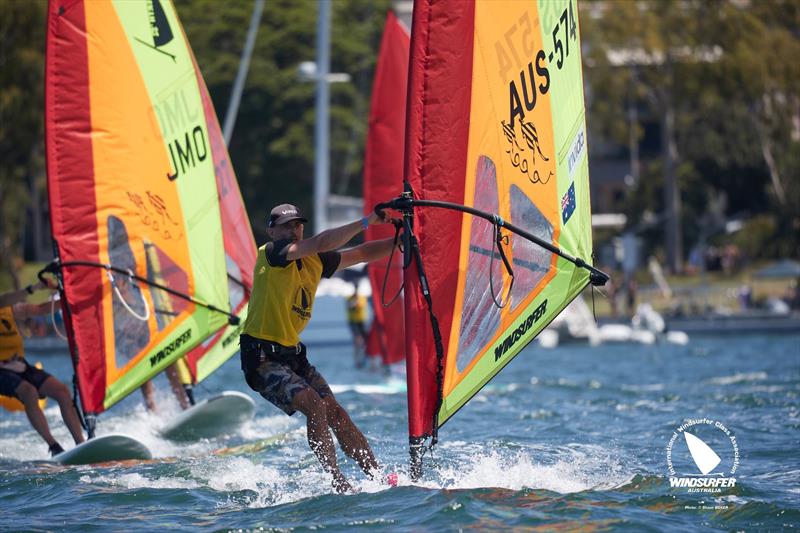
(568,203)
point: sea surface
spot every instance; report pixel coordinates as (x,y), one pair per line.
(572,438)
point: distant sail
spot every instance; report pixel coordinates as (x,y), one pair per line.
(495,123)
(383,178)
(704,457)
(131,161)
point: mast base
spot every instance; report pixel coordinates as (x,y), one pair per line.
(91,424)
(416,447)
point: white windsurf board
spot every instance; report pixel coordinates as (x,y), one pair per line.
(104,448)
(391,386)
(211,418)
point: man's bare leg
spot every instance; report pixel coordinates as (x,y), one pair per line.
(353,442)
(310,404)
(29,397)
(52,388)
(177,386)
(148,391)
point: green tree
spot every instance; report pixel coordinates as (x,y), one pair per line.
(272,147)
(22,25)
(721,80)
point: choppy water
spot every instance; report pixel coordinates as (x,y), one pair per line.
(571,438)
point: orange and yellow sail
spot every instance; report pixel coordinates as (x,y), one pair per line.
(139,179)
(496,123)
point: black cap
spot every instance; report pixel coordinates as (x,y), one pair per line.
(283,214)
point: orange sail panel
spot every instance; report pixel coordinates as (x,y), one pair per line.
(132,184)
(383,179)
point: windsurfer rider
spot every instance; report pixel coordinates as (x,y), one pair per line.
(286,276)
(356,319)
(24,381)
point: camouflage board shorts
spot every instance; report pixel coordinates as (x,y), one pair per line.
(278,377)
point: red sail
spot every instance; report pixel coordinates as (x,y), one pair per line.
(437,128)
(71,173)
(383,177)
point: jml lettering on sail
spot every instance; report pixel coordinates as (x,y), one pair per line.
(185,134)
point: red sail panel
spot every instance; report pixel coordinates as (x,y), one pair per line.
(439,94)
(71,174)
(383,179)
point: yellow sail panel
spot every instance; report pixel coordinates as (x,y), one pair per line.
(502,168)
(131,166)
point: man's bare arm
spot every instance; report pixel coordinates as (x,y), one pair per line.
(364,253)
(25,310)
(13,297)
(327,240)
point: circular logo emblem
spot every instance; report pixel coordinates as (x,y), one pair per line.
(702,456)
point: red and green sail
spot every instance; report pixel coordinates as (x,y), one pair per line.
(495,122)
(138,179)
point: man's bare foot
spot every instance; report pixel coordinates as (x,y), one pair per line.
(341,486)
